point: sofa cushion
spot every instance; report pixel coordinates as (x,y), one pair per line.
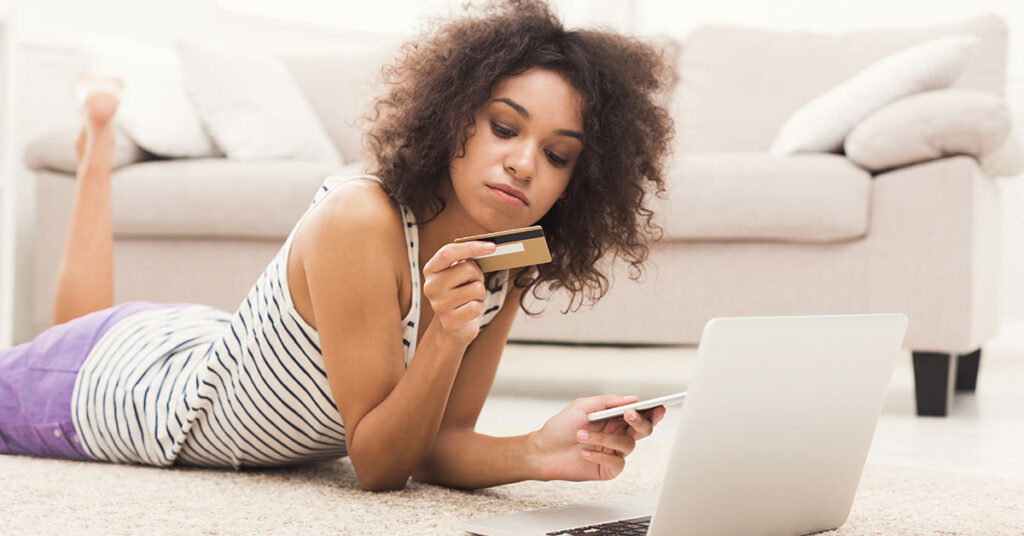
(737,86)
(155,111)
(215,197)
(252,106)
(799,198)
(930,125)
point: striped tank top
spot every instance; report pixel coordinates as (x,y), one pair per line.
(195,385)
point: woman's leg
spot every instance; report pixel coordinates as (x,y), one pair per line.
(85,280)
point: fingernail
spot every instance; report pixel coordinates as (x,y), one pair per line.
(585,453)
(631,417)
(582,435)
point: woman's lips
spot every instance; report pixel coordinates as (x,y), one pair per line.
(507,197)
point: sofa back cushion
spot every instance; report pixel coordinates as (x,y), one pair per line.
(737,86)
(339,89)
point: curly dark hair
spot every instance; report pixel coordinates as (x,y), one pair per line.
(443,77)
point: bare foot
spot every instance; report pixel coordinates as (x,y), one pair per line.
(99,98)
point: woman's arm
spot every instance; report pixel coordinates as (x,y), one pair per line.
(391,415)
(462,458)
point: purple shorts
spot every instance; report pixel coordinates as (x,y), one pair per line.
(38,377)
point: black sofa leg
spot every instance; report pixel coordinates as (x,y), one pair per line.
(934,376)
(967,371)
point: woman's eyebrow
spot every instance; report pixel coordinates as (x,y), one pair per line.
(526,115)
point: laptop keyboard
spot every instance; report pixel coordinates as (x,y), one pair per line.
(626,527)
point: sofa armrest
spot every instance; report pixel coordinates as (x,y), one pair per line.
(937,124)
(934,252)
(55,150)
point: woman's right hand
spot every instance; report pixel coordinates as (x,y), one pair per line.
(454,285)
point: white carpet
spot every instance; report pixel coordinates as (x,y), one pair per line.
(40,496)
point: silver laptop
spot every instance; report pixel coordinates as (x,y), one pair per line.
(772,438)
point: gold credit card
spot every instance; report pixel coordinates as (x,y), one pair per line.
(515,248)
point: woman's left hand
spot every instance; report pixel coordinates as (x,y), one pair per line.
(569,447)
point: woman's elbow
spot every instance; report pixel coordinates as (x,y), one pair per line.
(378,477)
(382,483)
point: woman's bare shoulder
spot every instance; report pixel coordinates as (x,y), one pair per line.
(353,234)
(355,211)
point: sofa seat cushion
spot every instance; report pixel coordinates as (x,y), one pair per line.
(799,198)
(215,197)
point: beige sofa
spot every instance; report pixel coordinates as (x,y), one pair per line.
(748,234)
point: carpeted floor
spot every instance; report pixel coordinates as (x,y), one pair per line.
(40,496)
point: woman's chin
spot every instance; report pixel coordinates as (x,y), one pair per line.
(493,220)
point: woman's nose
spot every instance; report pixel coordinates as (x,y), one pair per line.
(520,163)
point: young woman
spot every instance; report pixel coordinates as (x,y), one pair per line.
(371,334)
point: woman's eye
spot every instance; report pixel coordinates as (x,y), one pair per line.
(503,132)
(556,160)
(500,131)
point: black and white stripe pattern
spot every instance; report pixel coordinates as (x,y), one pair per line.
(197,386)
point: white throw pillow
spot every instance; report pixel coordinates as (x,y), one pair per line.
(822,124)
(154,112)
(252,106)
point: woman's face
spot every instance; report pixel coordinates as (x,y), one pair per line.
(519,160)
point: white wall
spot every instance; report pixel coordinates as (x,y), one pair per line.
(295,26)
(6,171)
